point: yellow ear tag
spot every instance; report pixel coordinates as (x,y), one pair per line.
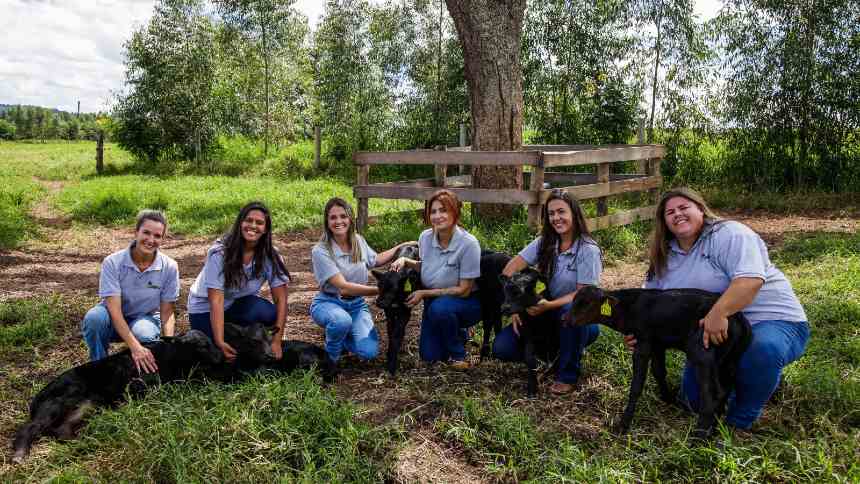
(408,286)
(605,308)
(539,287)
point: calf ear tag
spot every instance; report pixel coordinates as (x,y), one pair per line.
(605,308)
(408,286)
(539,287)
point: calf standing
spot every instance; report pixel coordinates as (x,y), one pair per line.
(661,319)
(59,409)
(394,288)
(492,295)
(538,334)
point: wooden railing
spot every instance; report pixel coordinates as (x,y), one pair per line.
(584,186)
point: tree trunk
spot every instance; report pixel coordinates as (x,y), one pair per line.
(490,32)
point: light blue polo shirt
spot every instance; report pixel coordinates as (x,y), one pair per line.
(141,293)
(325,266)
(212,277)
(579,264)
(727,250)
(441,268)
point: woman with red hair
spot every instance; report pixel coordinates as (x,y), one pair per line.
(450,263)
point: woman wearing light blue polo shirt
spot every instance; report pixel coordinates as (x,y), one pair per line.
(450,263)
(570,259)
(228,287)
(138,287)
(692,247)
(341,261)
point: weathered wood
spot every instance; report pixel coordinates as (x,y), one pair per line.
(586,192)
(602,177)
(603,155)
(317,146)
(654,170)
(362,178)
(451,157)
(621,218)
(536,186)
(439,172)
(567,179)
(476,195)
(100,153)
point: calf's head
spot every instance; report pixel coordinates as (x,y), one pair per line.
(590,305)
(252,343)
(521,291)
(196,344)
(409,251)
(395,287)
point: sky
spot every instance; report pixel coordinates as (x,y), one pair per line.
(54,53)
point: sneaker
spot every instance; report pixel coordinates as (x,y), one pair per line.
(459,364)
(561,388)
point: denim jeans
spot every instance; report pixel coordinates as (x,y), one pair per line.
(348,326)
(244,311)
(572,343)
(99,333)
(443,319)
(774,345)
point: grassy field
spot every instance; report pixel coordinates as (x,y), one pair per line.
(368,427)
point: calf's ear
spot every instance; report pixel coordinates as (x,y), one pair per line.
(377,274)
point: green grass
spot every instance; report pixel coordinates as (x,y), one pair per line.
(268,428)
(17,195)
(59,160)
(26,323)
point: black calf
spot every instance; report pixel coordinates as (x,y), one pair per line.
(538,334)
(491,294)
(299,355)
(61,406)
(394,288)
(661,319)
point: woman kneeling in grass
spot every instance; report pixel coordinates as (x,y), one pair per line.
(138,287)
(341,261)
(228,287)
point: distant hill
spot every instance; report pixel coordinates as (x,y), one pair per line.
(7,107)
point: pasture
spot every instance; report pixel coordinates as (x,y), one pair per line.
(431,423)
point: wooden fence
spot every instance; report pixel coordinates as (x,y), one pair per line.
(600,184)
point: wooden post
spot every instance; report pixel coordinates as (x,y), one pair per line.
(100,153)
(317,147)
(642,165)
(653,170)
(462,143)
(362,178)
(603,177)
(536,186)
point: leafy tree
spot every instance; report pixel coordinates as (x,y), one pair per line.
(7,130)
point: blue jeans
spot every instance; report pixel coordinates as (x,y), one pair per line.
(441,323)
(774,345)
(572,343)
(244,311)
(98,332)
(348,326)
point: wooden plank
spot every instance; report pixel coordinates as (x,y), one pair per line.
(654,170)
(439,172)
(621,218)
(603,155)
(603,177)
(362,178)
(558,178)
(597,190)
(431,157)
(458,181)
(536,185)
(478,195)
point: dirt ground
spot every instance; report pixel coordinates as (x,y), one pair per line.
(65,260)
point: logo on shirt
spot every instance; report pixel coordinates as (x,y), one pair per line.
(151,285)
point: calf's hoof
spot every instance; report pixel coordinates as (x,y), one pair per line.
(620,428)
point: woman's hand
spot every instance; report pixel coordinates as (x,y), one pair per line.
(277,348)
(229,352)
(630,342)
(143,359)
(716,328)
(399,264)
(415,298)
(516,322)
(541,307)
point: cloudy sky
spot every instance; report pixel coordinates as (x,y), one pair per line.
(56,52)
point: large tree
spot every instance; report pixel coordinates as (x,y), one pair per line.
(490,32)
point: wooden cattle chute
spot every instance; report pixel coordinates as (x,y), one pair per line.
(599,185)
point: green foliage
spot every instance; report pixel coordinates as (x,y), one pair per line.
(17,195)
(266,429)
(7,130)
(25,323)
(20,122)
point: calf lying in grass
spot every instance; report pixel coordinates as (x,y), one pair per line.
(662,319)
(538,334)
(59,409)
(394,288)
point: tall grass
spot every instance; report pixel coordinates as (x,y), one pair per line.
(26,323)
(17,195)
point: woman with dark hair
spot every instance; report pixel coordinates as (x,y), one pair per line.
(138,287)
(228,287)
(692,247)
(567,256)
(450,263)
(341,261)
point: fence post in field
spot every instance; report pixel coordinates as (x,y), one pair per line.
(603,177)
(362,178)
(536,186)
(317,147)
(440,171)
(642,165)
(462,143)
(100,153)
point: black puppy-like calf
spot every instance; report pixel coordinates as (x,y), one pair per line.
(538,334)
(394,288)
(662,319)
(59,409)
(492,296)
(299,355)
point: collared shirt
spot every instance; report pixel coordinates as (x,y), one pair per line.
(141,293)
(212,277)
(723,252)
(441,268)
(327,262)
(579,264)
